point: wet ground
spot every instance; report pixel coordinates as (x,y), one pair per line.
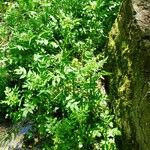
(11,136)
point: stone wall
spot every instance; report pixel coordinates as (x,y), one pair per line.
(129,61)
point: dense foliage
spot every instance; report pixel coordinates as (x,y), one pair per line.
(51,69)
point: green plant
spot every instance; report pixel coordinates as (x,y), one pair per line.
(56,66)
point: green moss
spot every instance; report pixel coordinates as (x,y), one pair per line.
(129,64)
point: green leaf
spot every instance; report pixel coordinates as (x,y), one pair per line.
(21,71)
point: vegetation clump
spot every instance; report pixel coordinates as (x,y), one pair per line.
(51,70)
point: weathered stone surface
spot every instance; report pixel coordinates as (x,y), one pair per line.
(129,62)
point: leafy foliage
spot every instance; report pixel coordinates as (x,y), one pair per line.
(53,66)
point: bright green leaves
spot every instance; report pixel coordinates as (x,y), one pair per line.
(72,105)
(43,42)
(33,81)
(67,21)
(21,71)
(13,97)
(55,65)
(29,107)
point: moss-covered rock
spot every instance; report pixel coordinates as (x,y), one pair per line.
(129,61)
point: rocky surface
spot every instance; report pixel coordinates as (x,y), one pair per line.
(129,62)
(11,137)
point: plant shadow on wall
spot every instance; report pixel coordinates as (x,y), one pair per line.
(53,62)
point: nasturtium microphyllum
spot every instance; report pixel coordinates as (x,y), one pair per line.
(53,62)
